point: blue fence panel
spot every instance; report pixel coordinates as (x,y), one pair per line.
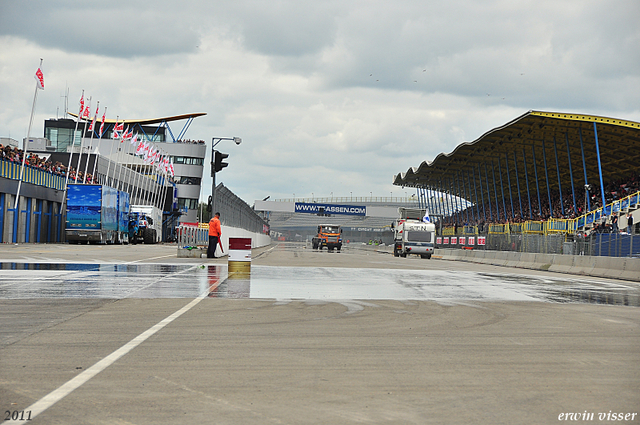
(617,245)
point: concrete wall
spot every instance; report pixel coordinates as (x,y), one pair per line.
(613,267)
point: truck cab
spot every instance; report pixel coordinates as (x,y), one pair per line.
(412,234)
(329,236)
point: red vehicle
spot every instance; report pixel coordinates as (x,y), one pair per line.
(329,236)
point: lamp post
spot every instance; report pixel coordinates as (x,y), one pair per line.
(217,165)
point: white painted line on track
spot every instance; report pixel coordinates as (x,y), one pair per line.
(58,394)
(147,259)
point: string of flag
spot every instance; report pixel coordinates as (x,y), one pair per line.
(150,154)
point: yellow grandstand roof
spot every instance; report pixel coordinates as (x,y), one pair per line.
(547,135)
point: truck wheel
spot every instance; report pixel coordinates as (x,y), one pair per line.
(147,236)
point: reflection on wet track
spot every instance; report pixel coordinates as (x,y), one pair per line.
(115,281)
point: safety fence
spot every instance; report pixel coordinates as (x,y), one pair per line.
(234,212)
(596,244)
(11,170)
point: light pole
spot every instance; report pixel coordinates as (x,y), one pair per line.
(217,165)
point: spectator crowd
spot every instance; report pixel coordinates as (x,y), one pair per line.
(495,214)
(194,142)
(13,154)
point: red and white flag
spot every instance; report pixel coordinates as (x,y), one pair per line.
(117,130)
(81,106)
(102,125)
(128,134)
(171,169)
(95,117)
(40,79)
(86,114)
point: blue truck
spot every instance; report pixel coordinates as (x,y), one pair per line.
(96,214)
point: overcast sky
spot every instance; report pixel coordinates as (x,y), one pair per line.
(329,97)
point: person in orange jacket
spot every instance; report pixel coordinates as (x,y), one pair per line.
(215,231)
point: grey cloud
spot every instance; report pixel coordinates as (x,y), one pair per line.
(115,29)
(285,28)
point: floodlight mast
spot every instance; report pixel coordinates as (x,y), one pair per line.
(217,165)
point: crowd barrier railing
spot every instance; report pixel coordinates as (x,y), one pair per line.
(556,225)
(516,227)
(631,201)
(193,234)
(470,230)
(449,231)
(498,229)
(534,227)
(36,176)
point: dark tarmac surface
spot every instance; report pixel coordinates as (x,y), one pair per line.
(134,335)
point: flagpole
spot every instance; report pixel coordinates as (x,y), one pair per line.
(24,148)
(136,177)
(115,126)
(73,142)
(164,189)
(156,171)
(158,177)
(84,131)
(119,159)
(92,128)
(95,163)
(147,182)
(149,197)
(130,169)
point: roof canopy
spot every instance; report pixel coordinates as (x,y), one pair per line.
(553,145)
(149,121)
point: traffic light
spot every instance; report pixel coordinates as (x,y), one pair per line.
(217,163)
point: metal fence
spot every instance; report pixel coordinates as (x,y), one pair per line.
(191,235)
(596,244)
(234,212)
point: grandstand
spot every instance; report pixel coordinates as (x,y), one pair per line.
(542,173)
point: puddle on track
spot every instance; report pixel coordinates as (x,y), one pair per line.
(114,281)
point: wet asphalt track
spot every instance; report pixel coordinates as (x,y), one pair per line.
(307,337)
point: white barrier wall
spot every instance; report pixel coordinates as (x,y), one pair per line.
(196,236)
(257,239)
